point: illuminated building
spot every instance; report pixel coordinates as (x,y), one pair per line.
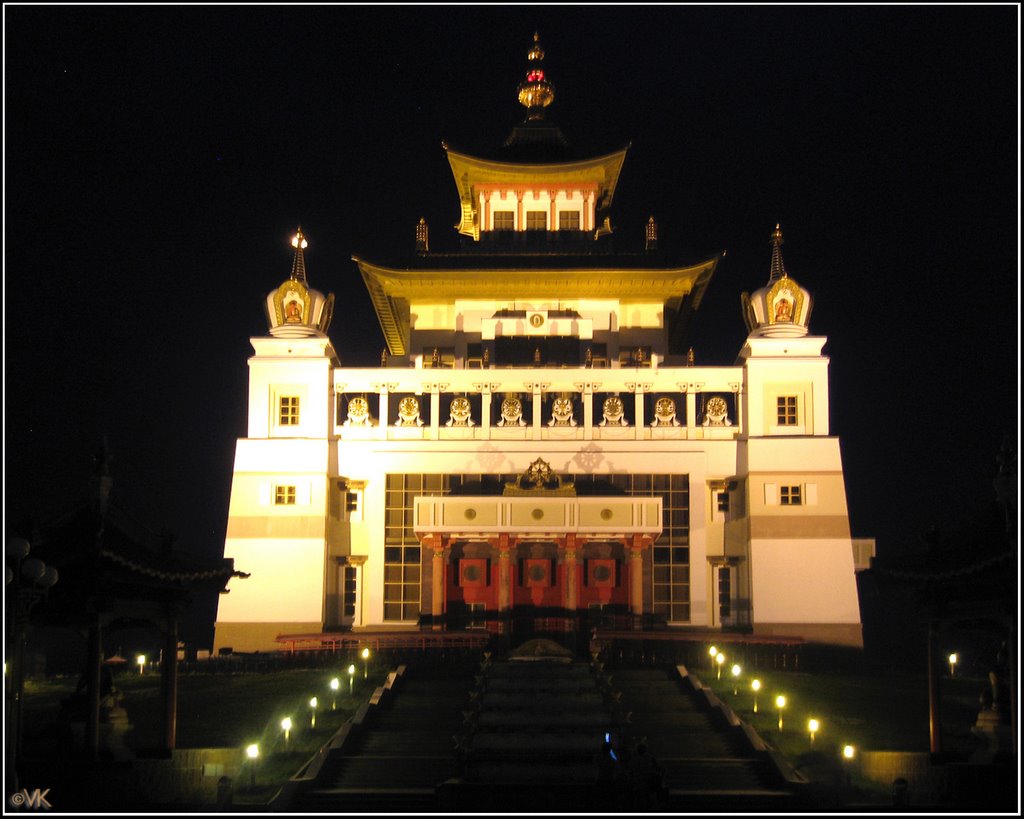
(538,450)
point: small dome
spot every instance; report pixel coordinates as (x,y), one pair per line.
(294,309)
(782,308)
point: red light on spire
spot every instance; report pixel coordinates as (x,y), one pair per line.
(535,75)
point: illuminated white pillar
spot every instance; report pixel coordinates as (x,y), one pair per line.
(691,414)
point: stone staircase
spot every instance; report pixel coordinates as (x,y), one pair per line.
(707,765)
(526,736)
(400,757)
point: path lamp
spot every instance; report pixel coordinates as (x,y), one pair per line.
(952,663)
(712,652)
(351,677)
(286,726)
(252,752)
(849,752)
(756,686)
(812,726)
(335,685)
(313,703)
(141,662)
(366,662)
(720,660)
(780,703)
(736,671)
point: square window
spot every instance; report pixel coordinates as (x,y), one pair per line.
(790,496)
(284,495)
(504,220)
(723,501)
(288,410)
(536,220)
(569,220)
(786,415)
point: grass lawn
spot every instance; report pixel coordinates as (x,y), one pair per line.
(222,710)
(871,712)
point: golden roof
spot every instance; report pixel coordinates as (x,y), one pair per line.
(470,172)
(393,290)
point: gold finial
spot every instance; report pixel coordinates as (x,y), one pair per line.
(778,269)
(535,92)
(651,235)
(384,357)
(299,262)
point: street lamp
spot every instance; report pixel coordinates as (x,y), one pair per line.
(366,662)
(780,703)
(286,726)
(720,660)
(712,652)
(756,685)
(952,663)
(140,660)
(736,671)
(252,752)
(812,726)
(313,703)
(335,685)
(351,676)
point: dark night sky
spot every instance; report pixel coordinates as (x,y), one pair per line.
(158,159)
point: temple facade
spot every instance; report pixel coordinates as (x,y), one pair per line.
(538,451)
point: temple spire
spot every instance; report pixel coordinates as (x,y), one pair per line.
(299,263)
(535,92)
(778,269)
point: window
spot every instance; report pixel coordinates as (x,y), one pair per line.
(786,410)
(790,496)
(504,220)
(349,592)
(723,501)
(569,220)
(724,594)
(288,411)
(536,220)
(284,495)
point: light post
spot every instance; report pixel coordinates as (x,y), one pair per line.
(286,726)
(366,662)
(252,752)
(953,659)
(351,677)
(313,703)
(712,652)
(812,726)
(27,581)
(780,703)
(720,661)
(756,686)
(335,685)
(736,671)
(140,661)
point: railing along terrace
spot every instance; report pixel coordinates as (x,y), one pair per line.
(543,403)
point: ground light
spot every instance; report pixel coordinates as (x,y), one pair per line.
(313,703)
(849,752)
(813,726)
(952,663)
(335,685)
(252,752)
(720,660)
(366,662)
(351,676)
(712,652)
(286,726)
(141,660)
(736,671)
(756,686)
(780,703)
